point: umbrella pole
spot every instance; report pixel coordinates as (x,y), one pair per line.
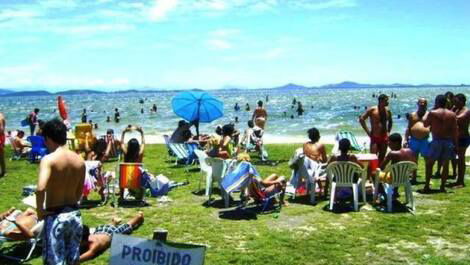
(197,121)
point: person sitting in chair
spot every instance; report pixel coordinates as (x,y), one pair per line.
(20,146)
(133,153)
(99,240)
(344,148)
(269,186)
(253,139)
(183,133)
(397,154)
(17,225)
(314,149)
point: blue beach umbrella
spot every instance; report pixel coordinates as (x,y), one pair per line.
(197,106)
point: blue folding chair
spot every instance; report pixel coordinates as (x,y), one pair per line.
(38,148)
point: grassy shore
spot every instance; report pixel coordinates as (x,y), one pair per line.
(439,232)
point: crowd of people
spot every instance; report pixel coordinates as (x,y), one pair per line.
(438,135)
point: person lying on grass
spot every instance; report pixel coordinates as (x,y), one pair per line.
(95,242)
(17,225)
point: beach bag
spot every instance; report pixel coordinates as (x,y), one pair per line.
(158,185)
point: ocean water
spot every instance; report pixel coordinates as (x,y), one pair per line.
(329,110)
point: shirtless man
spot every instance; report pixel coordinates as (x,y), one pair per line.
(21,146)
(260,115)
(182,133)
(463,120)
(2,145)
(99,241)
(381,125)
(416,135)
(61,178)
(443,125)
(397,153)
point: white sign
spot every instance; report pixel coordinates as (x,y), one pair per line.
(127,250)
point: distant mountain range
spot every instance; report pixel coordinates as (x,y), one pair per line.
(290,86)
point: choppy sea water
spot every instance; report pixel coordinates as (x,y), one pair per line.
(330,110)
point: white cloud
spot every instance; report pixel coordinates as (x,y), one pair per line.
(219,44)
(15,14)
(161,8)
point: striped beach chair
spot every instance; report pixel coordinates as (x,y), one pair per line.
(130,177)
(31,243)
(352,139)
(81,130)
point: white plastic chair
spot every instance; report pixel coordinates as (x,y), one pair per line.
(206,168)
(341,174)
(219,169)
(400,175)
(308,171)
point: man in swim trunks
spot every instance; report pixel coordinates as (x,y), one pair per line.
(443,126)
(381,125)
(463,120)
(99,240)
(2,145)
(260,115)
(416,135)
(60,185)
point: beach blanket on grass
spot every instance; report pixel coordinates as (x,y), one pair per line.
(238,177)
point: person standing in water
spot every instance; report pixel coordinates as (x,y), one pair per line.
(84,116)
(260,115)
(300,108)
(236,107)
(117,116)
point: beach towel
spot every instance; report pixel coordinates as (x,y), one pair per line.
(238,177)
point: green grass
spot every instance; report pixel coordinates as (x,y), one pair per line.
(439,233)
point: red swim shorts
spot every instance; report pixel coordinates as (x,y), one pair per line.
(2,141)
(382,139)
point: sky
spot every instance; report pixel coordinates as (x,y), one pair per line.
(212,44)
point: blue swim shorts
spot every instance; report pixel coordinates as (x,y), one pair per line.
(464,142)
(441,149)
(62,236)
(419,146)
